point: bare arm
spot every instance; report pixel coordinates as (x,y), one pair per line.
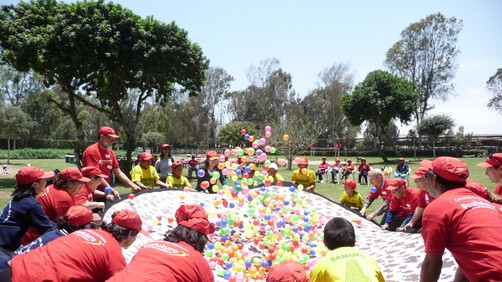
(161,184)
(94,205)
(459,276)
(431,268)
(124,179)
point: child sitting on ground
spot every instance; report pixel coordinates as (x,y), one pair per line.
(144,174)
(350,197)
(177,180)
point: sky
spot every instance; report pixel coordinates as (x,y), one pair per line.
(308,37)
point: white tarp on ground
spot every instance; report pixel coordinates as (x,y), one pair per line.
(399,255)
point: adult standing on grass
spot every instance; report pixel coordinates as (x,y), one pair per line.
(84,255)
(380,184)
(466,224)
(164,164)
(493,166)
(24,211)
(58,197)
(101,155)
(206,171)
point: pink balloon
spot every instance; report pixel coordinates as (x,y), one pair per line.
(267,149)
(227,152)
(268,134)
(222,159)
(255,144)
(263,141)
(268,128)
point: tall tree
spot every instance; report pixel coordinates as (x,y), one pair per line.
(494,84)
(324,102)
(101,50)
(15,86)
(230,133)
(434,126)
(379,99)
(426,55)
(14,124)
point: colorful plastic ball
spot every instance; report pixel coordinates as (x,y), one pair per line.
(246,136)
(373,190)
(268,128)
(251,138)
(215,174)
(273,150)
(131,196)
(108,190)
(204,184)
(263,141)
(201,173)
(243,132)
(285,137)
(268,134)
(292,189)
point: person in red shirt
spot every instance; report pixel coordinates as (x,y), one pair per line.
(380,184)
(287,271)
(347,170)
(101,155)
(192,166)
(84,255)
(460,221)
(179,256)
(424,199)
(493,166)
(321,169)
(86,195)
(401,207)
(58,197)
(364,168)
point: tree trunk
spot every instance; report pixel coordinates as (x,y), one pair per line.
(382,154)
(434,147)
(8,150)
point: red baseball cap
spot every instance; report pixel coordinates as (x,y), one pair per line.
(129,219)
(195,217)
(165,146)
(303,161)
(401,159)
(29,174)
(108,131)
(176,164)
(419,172)
(211,155)
(449,168)
(396,183)
(337,159)
(287,271)
(90,171)
(72,173)
(145,156)
(349,160)
(80,215)
(350,183)
(492,160)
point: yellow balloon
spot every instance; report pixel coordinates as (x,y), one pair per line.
(250,151)
(252,166)
(212,180)
(244,159)
(304,171)
(221,165)
(300,187)
(285,137)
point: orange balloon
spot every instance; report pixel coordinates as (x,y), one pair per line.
(285,137)
(251,138)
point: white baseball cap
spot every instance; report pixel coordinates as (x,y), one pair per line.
(274,166)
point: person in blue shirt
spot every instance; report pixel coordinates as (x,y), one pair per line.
(24,211)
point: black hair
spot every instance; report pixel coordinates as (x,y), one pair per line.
(339,232)
(119,233)
(62,223)
(168,154)
(23,191)
(447,184)
(188,235)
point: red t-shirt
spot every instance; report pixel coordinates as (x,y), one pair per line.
(85,195)
(84,255)
(166,261)
(323,166)
(193,163)
(403,206)
(101,158)
(424,199)
(469,227)
(55,202)
(364,168)
(381,191)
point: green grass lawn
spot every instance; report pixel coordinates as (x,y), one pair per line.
(329,190)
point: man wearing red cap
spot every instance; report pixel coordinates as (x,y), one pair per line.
(401,207)
(493,166)
(84,255)
(144,174)
(380,184)
(467,225)
(303,175)
(101,155)
(424,198)
(344,262)
(86,195)
(287,271)
(179,256)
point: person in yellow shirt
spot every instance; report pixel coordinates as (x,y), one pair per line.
(344,262)
(273,176)
(144,174)
(350,197)
(303,175)
(177,180)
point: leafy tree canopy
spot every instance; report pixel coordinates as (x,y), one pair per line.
(494,84)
